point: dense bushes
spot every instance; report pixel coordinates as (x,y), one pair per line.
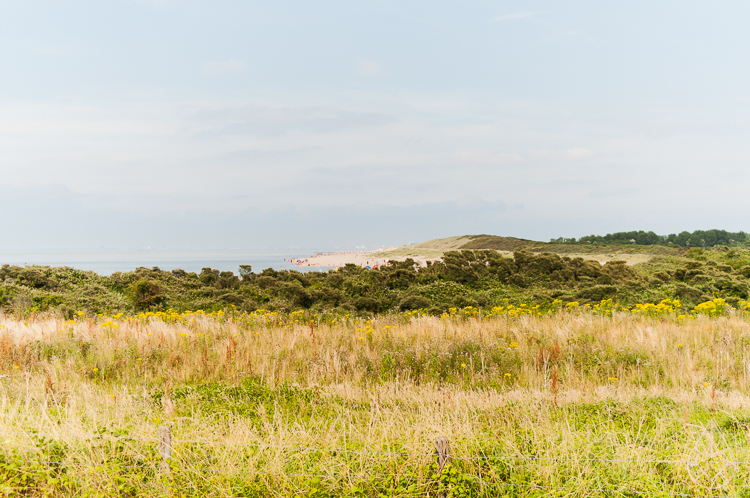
(463,278)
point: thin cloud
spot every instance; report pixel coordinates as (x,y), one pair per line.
(517,15)
(271,121)
(259,154)
(612,192)
(229,66)
(484,157)
(574,154)
(369,68)
(50,50)
(577,34)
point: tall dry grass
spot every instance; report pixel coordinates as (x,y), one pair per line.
(586,350)
(628,390)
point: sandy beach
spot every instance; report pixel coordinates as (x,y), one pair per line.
(372,258)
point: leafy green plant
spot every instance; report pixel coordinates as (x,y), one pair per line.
(147,294)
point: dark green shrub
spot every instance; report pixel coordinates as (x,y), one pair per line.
(597,292)
(517,280)
(367,304)
(414,303)
(146,294)
(265,281)
(227,280)
(33,277)
(619,270)
(327,297)
(541,264)
(690,295)
(209,276)
(663,276)
(295,294)
(232,298)
(436,311)
(401,279)
(605,280)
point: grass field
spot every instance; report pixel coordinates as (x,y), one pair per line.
(571,403)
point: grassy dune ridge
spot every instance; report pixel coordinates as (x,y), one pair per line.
(566,404)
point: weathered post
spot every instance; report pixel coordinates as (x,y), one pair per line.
(443,451)
(165,447)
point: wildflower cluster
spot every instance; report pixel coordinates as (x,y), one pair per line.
(665,307)
(713,308)
(173,316)
(514,311)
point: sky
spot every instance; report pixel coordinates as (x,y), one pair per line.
(232,124)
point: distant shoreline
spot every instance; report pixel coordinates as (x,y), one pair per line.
(372,259)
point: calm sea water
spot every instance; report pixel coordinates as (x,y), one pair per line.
(108,262)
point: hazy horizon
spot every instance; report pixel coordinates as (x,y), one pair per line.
(215,125)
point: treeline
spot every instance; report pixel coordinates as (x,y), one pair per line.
(481,278)
(699,238)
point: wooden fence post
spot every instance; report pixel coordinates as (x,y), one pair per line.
(165,447)
(443,451)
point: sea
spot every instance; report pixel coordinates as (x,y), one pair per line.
(108,262)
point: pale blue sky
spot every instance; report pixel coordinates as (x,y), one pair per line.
(370,122)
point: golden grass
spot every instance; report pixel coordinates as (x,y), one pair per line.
(629,388)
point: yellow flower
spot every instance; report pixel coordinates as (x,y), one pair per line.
(96,370)
(463,365)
